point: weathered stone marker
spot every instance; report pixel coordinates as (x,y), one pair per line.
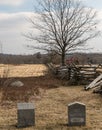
(26,114)
(76,114)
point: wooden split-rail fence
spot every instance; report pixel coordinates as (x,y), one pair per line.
(73,71)
(79,74)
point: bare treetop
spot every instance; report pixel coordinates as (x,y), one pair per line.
(64,25)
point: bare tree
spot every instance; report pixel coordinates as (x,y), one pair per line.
(64,26)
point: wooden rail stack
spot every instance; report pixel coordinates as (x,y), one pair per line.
(96,85)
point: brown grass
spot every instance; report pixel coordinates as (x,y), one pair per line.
(50,99)
(23,70)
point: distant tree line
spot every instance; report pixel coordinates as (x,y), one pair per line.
(21,59)
(39,58)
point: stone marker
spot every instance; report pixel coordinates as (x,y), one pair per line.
(76,114)
(26,114)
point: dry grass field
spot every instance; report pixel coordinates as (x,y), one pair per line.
(50,97)
(22,70)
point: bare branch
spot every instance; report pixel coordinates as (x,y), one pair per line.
(64,25)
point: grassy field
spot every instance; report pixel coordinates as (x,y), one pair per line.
(22,70)
(50,97)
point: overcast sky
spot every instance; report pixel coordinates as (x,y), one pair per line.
(13,22)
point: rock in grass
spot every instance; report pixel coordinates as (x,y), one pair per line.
(17,84)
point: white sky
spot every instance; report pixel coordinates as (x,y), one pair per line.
(13,22)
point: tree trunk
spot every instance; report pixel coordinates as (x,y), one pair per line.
(63,58)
